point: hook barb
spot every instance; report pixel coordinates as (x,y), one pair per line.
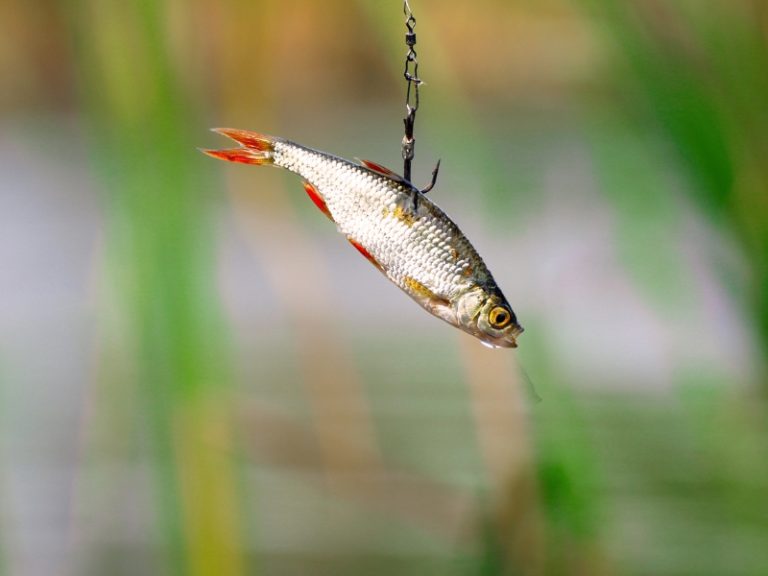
(434,179)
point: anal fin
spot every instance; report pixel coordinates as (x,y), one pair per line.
(317,199)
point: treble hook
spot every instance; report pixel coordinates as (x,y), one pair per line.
(434,179)
(415,191)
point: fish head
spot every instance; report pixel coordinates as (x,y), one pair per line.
(486,315)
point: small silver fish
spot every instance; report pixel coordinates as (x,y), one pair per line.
(398,229)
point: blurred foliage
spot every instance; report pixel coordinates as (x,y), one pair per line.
(160,257)
(699,75)
(293,431)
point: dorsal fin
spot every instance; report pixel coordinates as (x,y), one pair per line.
(379,168)
(384,171)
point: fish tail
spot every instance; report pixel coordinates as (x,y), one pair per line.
(254,148)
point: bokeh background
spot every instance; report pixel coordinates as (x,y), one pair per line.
(199,376)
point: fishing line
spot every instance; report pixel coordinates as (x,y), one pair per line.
(411,75)
(413,82)
(533,395)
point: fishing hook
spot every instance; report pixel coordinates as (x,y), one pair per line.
(434,179)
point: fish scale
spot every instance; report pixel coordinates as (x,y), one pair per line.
(363,203)
(401,231)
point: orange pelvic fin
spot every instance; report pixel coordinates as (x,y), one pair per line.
(254,148)
(368,256)
(317,199)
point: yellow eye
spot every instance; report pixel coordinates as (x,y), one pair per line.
(499,317)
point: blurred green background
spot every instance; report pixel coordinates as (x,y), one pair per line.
(198,376)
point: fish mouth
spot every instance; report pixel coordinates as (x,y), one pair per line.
(507,340)
(499,343)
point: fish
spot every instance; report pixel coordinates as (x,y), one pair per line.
(397,228)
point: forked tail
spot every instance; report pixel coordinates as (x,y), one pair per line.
(254,148)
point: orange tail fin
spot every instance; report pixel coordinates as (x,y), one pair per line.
(254,148)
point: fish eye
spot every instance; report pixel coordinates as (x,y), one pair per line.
(499,317)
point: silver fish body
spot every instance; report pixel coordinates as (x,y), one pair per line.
(401,231)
